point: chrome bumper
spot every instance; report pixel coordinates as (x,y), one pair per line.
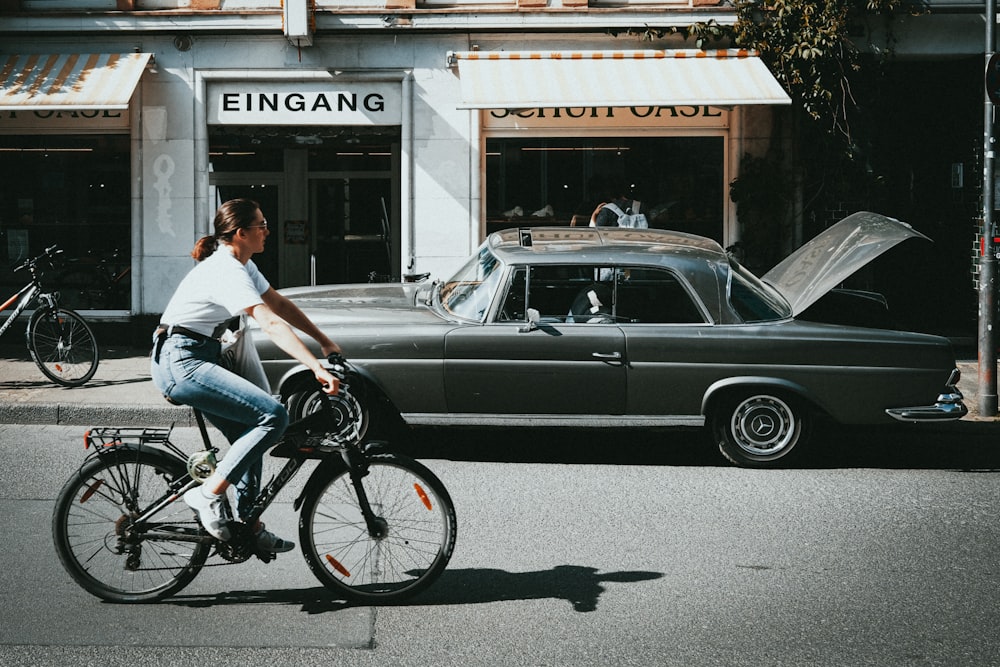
(949,406)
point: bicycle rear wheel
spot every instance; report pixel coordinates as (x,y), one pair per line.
(98,544)
(63,346)
(417,527)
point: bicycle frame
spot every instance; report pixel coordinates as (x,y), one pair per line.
(294,444)
(24,298)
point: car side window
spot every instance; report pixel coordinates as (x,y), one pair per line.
(654,296)
(514,306)
(590,294)
(553,290)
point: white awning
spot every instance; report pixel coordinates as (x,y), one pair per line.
(550,79)
(69,81)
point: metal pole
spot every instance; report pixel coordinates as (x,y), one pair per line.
(987,267)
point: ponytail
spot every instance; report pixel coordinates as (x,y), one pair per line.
(204,248)
(232,216)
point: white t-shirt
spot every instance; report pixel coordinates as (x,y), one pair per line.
(214,291)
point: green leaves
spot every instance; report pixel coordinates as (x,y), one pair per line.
(807,46)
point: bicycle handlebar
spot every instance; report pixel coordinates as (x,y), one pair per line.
(50,253)
(339,367)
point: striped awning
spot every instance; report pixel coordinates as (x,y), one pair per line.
(561,79)
(69,81)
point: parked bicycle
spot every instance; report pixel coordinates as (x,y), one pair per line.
(375,526)
(59,340)
(96,282)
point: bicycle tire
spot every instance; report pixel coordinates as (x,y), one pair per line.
(418,543)
(63,346)
(91,513)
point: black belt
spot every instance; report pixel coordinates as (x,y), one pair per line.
(165,330)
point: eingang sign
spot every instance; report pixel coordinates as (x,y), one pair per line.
(304,103)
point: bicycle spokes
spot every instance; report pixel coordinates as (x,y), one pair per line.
(63,346)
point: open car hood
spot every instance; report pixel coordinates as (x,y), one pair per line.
(826,261)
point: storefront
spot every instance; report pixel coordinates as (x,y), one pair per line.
(554,166)
(323,158)
(398,161)
(65,152)
(563,131)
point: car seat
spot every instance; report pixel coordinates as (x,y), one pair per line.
(592,305)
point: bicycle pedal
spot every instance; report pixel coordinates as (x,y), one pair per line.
(265,556)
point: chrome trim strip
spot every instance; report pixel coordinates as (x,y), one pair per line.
(591,421)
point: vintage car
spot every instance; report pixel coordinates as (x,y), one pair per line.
(609,327)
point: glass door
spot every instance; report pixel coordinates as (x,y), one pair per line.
(353,228)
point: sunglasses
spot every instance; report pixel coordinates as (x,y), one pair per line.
(262,225)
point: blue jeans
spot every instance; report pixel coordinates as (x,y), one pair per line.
(252,420)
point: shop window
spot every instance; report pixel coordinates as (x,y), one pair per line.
(330,148)
(560,181)
(73,191)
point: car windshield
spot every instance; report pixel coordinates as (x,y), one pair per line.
(468,293)
(753,299)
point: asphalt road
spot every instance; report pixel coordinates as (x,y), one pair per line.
(615,548)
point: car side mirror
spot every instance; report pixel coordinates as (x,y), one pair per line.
(532,323)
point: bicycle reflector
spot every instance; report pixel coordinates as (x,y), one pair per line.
(423,496)
(336,565)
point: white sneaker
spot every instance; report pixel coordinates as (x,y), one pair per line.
(211,512)
(268,541)
(545,212)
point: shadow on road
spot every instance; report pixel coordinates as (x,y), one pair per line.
(960,445)
(578,585)
(42,383)
(616,446)
(970,446)
(317,600)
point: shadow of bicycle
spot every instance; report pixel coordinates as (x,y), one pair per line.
(578,585)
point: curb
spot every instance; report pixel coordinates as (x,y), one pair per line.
(62,414)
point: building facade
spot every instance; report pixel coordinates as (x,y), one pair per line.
(382,141)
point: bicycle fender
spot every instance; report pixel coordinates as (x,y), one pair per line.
(334,465)
(130,449)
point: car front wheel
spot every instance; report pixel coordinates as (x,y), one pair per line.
(345,405)
(758,430)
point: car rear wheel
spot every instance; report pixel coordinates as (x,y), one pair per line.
(758,430)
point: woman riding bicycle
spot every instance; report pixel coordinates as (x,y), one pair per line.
(189,366)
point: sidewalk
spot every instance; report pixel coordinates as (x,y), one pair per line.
(121,393)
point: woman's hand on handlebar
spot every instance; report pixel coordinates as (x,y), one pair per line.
(330,382)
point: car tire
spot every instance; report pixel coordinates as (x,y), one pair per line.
(304,403)
(759,430)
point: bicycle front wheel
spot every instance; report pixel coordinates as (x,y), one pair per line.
(63,346)
(99,543)
(409,547)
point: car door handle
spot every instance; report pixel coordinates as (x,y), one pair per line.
(607,356)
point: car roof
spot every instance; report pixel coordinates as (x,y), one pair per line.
(550,244)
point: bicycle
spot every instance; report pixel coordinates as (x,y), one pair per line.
(96,282)
(60,341)
(374,526)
